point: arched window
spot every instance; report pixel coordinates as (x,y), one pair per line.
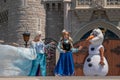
(110,35)
(53,6)
(86,35)
(4,1)
(59,6)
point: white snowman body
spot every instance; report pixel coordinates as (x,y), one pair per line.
(91,64)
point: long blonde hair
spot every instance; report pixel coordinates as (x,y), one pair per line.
(37,33)
(69,38)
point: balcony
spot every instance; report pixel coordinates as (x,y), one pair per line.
(97,4)
(113,3)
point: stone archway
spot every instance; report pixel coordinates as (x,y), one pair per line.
(96,24)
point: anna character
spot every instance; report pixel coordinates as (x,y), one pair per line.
(65,64)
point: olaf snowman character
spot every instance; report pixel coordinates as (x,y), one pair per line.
(95,64)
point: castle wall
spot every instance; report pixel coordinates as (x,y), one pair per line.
(54,19)
(23,15)
(47,16)
(81,18)
(3,19)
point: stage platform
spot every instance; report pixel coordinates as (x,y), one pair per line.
(62,78)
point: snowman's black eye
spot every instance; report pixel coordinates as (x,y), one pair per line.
(95,34)
(92,49)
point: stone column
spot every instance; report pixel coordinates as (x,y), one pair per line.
(105,3)
(66,9)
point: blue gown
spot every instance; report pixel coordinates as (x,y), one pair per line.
(65,64)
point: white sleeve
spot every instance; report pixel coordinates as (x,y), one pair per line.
(59,48)
(32,44)
(74,50)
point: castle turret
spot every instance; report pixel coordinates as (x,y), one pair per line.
(24,15)
(54,18)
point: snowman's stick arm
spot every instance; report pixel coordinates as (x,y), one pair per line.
(101,56)
(102,53)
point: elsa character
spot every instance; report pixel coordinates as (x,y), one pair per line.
(40,61)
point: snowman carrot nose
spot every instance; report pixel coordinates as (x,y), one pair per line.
(90,37)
